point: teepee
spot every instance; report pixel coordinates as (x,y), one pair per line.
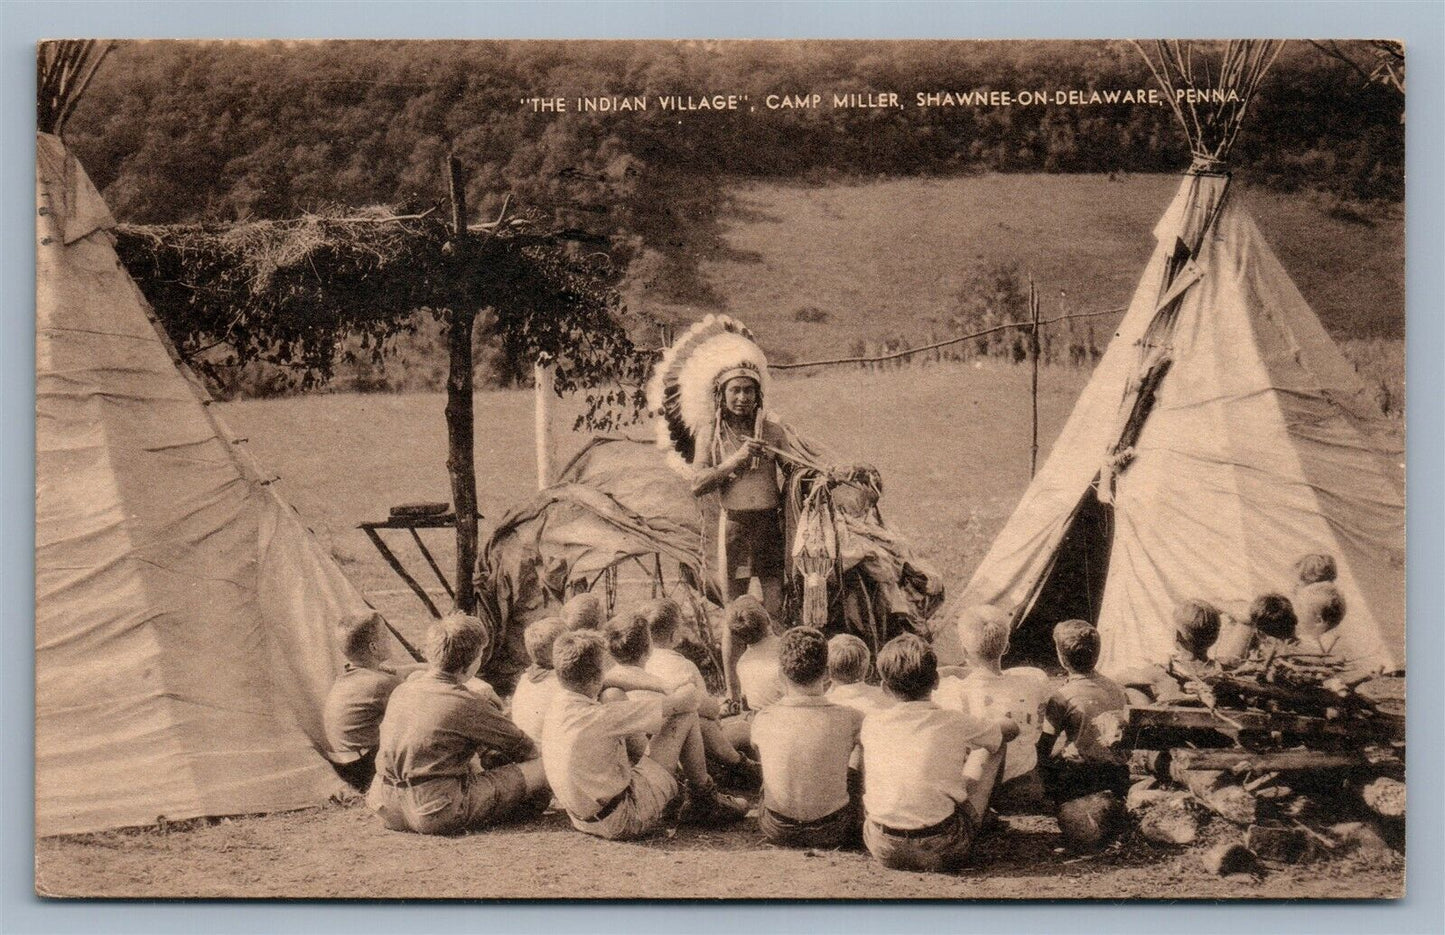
(1222,436)
(183,614)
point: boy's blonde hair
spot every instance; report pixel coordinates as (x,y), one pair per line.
(984,631)
(538,639)
(358,633)
(454,641)
(583,612)
(848,659)
(1313,568)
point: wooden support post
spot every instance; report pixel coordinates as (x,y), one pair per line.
(461,464)
(545,375)
(1034,379)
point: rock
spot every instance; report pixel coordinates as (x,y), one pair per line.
(1167,818)
(1361,837)
(1227,860)
(1281,844)
(1090,822)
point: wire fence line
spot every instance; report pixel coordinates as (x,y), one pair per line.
(908,352)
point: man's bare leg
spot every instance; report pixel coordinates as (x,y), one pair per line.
(731,652)
(773,598)
(667,744)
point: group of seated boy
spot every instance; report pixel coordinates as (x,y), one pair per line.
(615,726)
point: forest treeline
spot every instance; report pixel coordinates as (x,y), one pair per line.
(184,131)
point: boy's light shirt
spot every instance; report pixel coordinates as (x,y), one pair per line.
(530,702)
(914,755)
(804,743)
(759,678)
(673,668)
(1018,694)
(584,750)
(860,696)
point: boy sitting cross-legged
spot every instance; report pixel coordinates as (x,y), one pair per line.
(584,749)
(535,689)
(426,780)
(990,691)
(755,672)
(1076,762)
(930,771)
(804,742)
(357,700)
(664,627)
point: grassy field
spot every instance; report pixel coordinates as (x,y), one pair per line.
(344,459)
(887,258)
(951,441)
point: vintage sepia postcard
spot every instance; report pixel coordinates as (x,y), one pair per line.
(720,469)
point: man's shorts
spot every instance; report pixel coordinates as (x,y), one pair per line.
(753,544)
(450,804)
(943,846)
(639,811)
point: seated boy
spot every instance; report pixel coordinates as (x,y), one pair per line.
(664,627)
(1196,629)
(538,684)
(357,700)
(929,771)
(1076,762)
(1314,568)
(989,691)
(1321,609)
(804,742)
(434,727)
(755,672)
(584,750)
(1272,618)
(848,664)
(583,612)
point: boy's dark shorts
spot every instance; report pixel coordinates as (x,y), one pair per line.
(944,846)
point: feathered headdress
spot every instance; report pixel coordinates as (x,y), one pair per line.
(685,386)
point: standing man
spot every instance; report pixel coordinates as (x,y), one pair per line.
(709,390)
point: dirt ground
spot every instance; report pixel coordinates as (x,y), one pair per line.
(343,852)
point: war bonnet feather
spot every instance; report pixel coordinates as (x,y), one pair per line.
(683,391)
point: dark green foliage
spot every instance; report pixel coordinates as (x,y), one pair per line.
(301,294)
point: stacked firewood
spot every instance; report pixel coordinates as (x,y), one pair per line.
(1287,744)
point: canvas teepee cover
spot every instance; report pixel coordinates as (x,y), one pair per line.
(1222,436)
(183,633)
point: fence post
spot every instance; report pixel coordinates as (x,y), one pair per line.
(1034,379)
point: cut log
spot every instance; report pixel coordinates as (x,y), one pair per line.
(1362,837)
(1385,797)
(1219,792)
(1281,844)
(1228,859)
(1090,822)
(1281,761)
(1181,718)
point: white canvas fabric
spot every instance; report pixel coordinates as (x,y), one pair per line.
(1262,445)
(184,615)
